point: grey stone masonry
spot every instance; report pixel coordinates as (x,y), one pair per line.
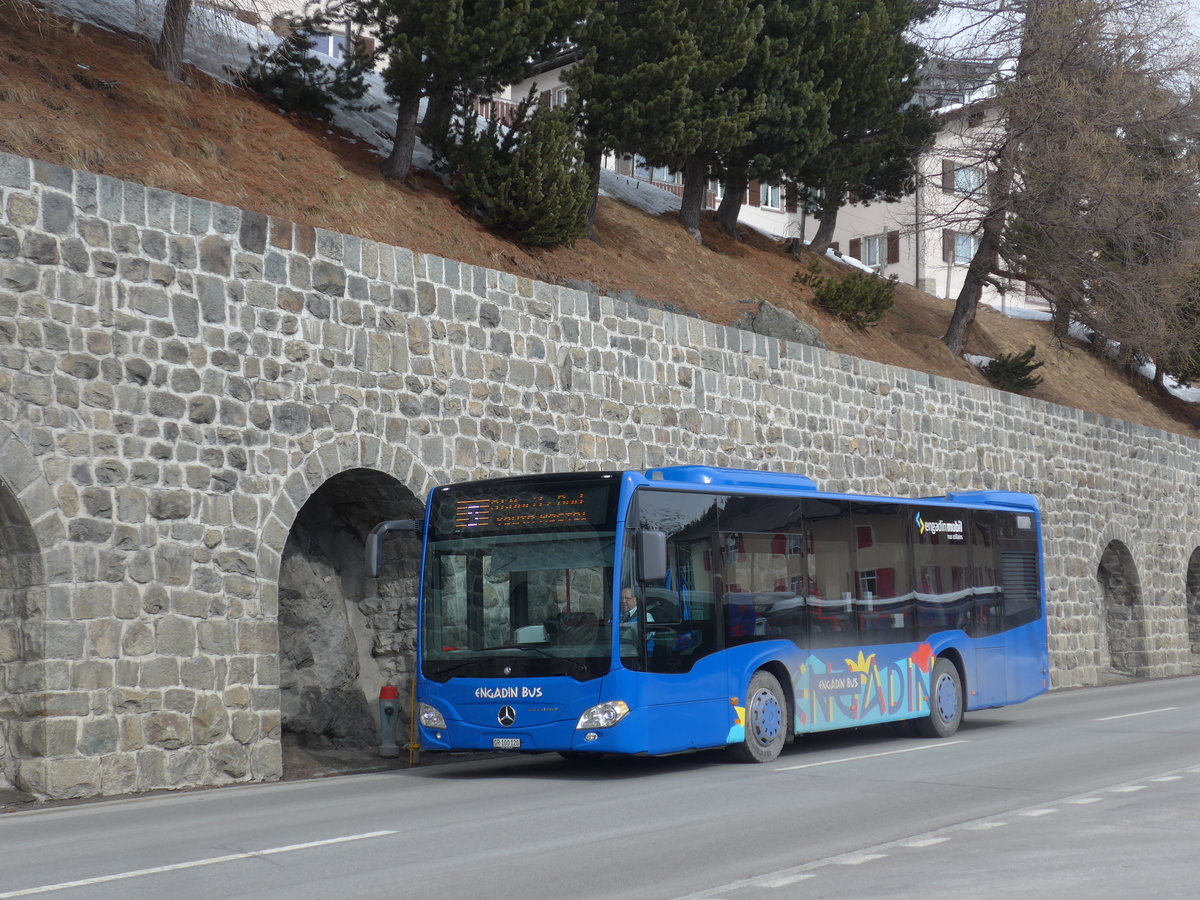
(179,378)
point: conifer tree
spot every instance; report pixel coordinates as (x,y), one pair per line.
(720,111)
(633,82)
(876,133)
(787,72)
(433,48)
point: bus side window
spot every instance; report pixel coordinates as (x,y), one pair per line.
(830,541)
(883,582)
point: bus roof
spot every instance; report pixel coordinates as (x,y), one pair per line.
(717,477)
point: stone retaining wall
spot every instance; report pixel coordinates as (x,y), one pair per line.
(178,379)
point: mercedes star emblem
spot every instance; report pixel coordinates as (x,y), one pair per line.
(507,716)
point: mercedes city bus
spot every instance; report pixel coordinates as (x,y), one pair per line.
(694,607)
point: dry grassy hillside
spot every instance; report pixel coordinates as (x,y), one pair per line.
(90,100)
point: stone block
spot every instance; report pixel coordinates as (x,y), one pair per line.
(68,779)
(168,730)
(175,636)
(228,760)
(118,774)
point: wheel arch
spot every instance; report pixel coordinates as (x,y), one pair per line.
(954,655)
(780,670)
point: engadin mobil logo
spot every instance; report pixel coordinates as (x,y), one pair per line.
(952,528)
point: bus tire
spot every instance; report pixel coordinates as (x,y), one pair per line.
(945,701)
(766,721)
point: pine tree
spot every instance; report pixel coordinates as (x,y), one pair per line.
(433,49)
(633,83)
(876,134)
(721,111)
(787,72)
(529,179)
(291,76)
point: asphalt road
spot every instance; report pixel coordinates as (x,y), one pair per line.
(1090,793)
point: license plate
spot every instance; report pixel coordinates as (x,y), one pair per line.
(506,743)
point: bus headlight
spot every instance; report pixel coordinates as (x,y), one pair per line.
(604,715)
(429,717)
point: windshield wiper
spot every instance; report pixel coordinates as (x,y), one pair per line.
(524,648)
(530,648)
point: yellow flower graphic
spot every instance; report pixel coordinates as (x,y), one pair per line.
(862,666)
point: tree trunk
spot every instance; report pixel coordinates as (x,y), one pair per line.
(168,52)
(730,207)
(695,184)
(826,224)
(984,260)
(435,125)
(1062,321)
(399,162)
(593,159)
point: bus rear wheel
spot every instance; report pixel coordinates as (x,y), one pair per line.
(766,721)
(945,701)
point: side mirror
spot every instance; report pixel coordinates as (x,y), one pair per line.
(652,555)
(375,541)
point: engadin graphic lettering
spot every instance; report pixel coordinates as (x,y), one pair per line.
(507,693)
(873,687)
(952,528)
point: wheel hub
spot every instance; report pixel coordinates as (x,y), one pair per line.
(947,698)
(766,717)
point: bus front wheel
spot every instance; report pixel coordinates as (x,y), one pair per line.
(766,721)
(945,701)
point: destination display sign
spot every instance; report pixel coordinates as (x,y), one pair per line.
(500,509)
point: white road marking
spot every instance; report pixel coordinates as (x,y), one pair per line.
(793,874)
(857,859)
(845,759)
(196,863)
(1128,788)
(1145,712)
(924,842)
(784,880)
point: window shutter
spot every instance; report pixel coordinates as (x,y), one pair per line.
(755,194)
(947,176)
(835,248)
(893,246)
(545,98)
(791,193)
(947,245)
(856,248)
(885,582)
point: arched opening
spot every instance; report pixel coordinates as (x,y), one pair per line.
(1123,612)
(20,570)
(343,635)
(1193,605)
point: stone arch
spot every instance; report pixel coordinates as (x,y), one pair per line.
(1123,610)
(1192,588)
(27,524)
(341,634)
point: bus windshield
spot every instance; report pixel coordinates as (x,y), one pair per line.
(519,581)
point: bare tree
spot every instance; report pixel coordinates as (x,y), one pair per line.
(168,52)
(169,49)
(1088,183)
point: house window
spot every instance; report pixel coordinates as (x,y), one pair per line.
(876,250)
(968,181)
(770,196)
(717,188)
(965,246)
(558,97)
(331,45)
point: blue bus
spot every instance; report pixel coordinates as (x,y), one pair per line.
(692,607)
